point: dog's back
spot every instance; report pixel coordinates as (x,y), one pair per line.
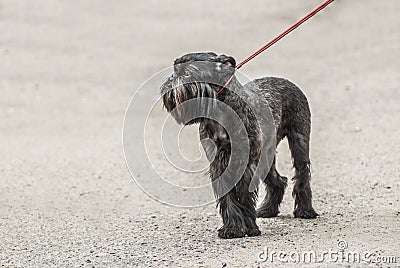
(287,102)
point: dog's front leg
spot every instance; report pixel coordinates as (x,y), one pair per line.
(234,223)
(217,148)
(248,201)
(233,218)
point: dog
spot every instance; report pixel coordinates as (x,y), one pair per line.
(201,75)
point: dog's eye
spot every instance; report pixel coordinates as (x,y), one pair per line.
(186,74)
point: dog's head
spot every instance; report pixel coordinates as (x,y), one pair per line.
(196,75)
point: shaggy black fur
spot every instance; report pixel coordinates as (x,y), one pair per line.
(201,75)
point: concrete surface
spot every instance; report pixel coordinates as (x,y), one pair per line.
(68,70)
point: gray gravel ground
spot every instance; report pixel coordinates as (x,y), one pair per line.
(68,70)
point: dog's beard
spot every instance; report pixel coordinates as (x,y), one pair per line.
(177,91)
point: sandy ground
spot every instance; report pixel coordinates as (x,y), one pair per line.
(68,70)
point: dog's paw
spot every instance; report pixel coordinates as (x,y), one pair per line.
(267,212)
(305,213)
(253,231)
(231,232)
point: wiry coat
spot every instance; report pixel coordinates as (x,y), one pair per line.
(201,75)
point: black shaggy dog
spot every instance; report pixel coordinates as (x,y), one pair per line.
(201,75)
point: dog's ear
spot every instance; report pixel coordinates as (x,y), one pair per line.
(227,60)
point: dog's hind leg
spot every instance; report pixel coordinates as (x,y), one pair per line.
(299,147)
(275,189)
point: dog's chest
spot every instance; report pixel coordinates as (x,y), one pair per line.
(211,130)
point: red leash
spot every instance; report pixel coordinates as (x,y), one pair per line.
(276,39)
